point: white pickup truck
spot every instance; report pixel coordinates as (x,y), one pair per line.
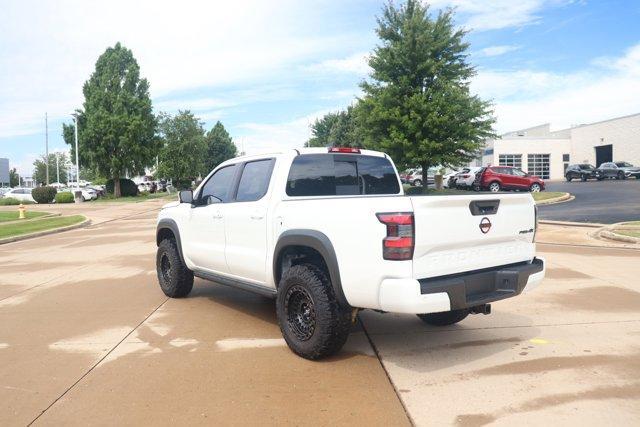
(327,232)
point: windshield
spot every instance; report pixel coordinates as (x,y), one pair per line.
(585,166)
(624,165)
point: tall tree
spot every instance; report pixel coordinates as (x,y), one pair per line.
(336,130)
(183,152)
(117,126)
(40,168)
(417,105)
(220,147)
(14,180)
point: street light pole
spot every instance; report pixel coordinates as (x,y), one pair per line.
(46,143)
(58,168)
(77,161)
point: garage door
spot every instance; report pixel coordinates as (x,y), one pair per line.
(538,165)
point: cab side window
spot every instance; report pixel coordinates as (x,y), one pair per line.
(219,185)
(254,181)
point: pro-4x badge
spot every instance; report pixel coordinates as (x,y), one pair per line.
(485,225)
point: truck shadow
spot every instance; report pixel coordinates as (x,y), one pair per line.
(409,343)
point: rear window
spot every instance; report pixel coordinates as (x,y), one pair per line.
(341,175)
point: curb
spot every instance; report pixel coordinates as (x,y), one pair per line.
(84,223)
(566,197)
(608,232)
(572,224)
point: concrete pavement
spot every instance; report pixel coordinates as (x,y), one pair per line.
(87,337)
(566,354)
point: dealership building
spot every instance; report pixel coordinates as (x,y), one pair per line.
(4,172)
(546,153)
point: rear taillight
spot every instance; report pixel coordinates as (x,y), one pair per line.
(344,150)
(399,243)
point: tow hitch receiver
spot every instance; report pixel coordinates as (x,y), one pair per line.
(481,309)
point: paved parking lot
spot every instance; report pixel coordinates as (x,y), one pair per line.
(87,337)
(604,202)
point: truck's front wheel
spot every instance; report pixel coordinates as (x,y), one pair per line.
(176,280)
(312,322)
(445,318)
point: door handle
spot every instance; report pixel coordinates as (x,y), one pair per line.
(257,216)
(217,215)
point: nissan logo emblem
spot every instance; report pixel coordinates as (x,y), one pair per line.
(485,225)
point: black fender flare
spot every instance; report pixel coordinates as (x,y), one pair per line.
(320,243)
(169,224)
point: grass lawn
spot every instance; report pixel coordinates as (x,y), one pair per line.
(135,199)
(546,195)
(633,223)
(630,233)
(13,215)
(16,229)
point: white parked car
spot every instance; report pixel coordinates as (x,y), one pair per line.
(87,193)
(328,232)
(448,180)
(465,178)
(22,194)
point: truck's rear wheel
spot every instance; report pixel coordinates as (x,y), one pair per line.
(176,280)
(445,318)
(312,322)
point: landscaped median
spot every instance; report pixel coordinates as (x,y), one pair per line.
(627,232)
(541,198)
(12,230)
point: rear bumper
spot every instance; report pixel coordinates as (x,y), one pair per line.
(460,291)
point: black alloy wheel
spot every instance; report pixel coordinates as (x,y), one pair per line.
(301,314)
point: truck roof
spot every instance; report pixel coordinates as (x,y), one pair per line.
(297,151)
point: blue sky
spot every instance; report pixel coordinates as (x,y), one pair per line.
(268,69)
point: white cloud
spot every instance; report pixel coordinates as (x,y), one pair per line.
(257,138)
(179,45)
(483,15)
(498,50)
(355,64)
(523,98)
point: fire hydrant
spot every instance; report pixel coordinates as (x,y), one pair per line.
(22,209)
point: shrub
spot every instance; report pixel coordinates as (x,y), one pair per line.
(182,184)
(7,201)
(43,194)
(127,187)
(64,197)
(414,191)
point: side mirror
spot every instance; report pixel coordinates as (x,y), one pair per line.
(210,200)
(185,196)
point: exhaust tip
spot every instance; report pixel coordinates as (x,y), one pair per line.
(481,309)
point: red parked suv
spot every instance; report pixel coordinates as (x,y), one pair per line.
(496,178)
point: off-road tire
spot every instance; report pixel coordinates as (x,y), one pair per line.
(331,320)
(176,280)
(445,318)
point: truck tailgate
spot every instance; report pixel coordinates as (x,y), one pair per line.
(449,238)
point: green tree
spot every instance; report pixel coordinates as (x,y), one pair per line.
(40,168)
(14,180)
(417,105)
(184,148)
(220,147)
(116,126)
(336,130)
